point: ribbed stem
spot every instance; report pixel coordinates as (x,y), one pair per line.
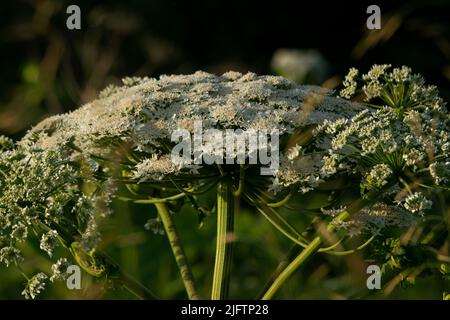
(224,242)
(178,251)
(314,246)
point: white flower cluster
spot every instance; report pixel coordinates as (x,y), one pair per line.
(397,87)
(417,203)
(377,217)
(10,255)
(300,65)
(155,168)
(379,142)
(301,171)
(35,286)
(440,171)
(142,114)
(350,84)
(154,225)
(40,193)
(49,241)
(59,270)
(393,145)
(6,143)
(378,176)
(39,190)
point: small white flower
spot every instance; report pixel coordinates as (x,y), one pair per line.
(155,168)
(10,255)
(6,143)
(49,241)
(372,90)
(413,157)
(330,164)
(440,172)
(417,203)
(59,270)
(20,232)
(350,84)
(293,152)
(377,71)
(378,176)
(401,74)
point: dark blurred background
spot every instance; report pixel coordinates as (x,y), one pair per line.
(48,69)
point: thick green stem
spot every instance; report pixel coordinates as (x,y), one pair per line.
(297,262)
(178,251)
(292,253)
(224,244)
(314,245)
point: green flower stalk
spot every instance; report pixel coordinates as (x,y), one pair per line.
(313,247)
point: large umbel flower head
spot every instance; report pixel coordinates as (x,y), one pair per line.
(126,133)
(140,116)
